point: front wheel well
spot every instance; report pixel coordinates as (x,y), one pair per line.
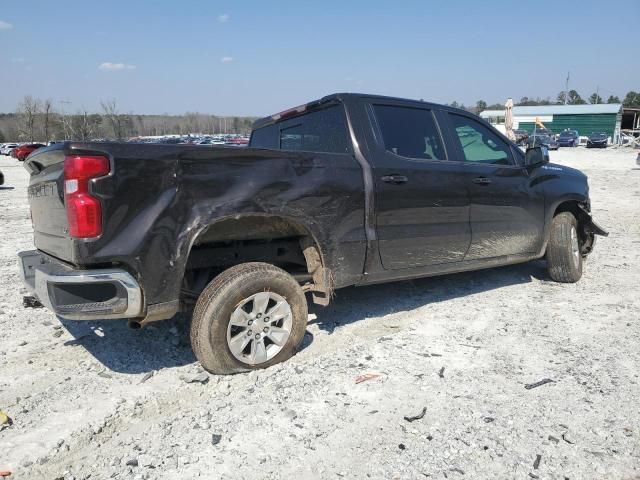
(572,206)
(580,210)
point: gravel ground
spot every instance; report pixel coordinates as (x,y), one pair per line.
(99,400)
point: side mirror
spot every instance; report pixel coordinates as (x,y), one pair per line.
(536,156)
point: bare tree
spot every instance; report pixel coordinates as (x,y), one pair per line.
(117,121)
(84,125)
(60,122)
(210,124)
(66,127)
(28,112)
(47,113)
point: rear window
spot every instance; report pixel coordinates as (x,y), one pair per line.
(319,131)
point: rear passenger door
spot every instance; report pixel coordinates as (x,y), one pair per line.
(421,199)
(321,185)
(507,212)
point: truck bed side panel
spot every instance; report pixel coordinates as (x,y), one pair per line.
(160,197)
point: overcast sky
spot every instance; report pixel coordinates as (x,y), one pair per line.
(259,57)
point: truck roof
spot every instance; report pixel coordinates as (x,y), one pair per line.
(334,97)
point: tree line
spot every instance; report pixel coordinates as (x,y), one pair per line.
(37,120)
(572,97)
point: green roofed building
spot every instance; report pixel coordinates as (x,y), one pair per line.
(586,119)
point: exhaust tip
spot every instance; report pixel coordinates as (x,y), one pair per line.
(134,325)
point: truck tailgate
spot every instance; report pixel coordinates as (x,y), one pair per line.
(46,199)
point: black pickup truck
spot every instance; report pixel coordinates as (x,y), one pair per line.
(346,190)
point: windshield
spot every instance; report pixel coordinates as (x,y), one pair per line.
(599,135)
(566,134)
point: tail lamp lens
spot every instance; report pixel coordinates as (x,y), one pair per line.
(84,211)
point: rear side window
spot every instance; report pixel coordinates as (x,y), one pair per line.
(409,132)
(318,131)
(479,143)
(265,137)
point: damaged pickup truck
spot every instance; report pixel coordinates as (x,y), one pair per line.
(346,190)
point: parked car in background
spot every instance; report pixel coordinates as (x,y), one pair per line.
(568,138)
(7,147)
(23,151)
(541,131)
(171,141)
(542,140)
(237,142)
(521,136)
(597,140)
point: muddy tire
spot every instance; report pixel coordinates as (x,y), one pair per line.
(564,259)
(251,316)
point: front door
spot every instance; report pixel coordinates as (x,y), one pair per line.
(422,200)
(507,213)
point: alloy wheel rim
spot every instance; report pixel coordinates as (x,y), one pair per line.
(259,328)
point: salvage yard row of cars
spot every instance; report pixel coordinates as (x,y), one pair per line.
(541,137)
(22,150)
(566,138)
(19,150)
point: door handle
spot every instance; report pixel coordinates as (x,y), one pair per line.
(482,180)
(395,179)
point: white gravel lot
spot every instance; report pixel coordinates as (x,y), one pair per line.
(99,400)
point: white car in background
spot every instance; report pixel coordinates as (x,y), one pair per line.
(7,147)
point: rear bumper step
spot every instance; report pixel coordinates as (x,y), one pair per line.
(80,294)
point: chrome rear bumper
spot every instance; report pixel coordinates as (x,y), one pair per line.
(80,294)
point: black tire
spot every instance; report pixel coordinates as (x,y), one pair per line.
(219,299)
(563,263)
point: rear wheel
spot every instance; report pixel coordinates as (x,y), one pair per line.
(564,259)
(250,316)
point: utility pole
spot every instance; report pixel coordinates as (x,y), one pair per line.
(566,89)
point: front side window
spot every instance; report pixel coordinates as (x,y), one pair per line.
(409,132)
(478,143)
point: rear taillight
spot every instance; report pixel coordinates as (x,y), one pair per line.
(84,211)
